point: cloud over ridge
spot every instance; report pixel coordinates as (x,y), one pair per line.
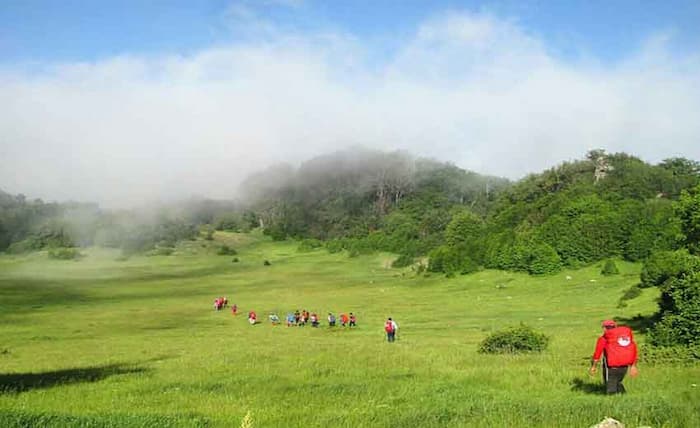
(473,89)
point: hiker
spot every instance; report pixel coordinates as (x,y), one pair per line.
(343,320)
(331,319)
(314,320)
(217,304)
(274,319)
(390,328)
(225,300)
(290,319)
(353,320)
(252,317)
(619,352)
(234,309)
(297,317)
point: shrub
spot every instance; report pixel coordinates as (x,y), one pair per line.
(402,261)
(235,260)
(64,254)
(450,260)
(649,354)
(267,263)
(335,246)
(309,245)
(664,265)
(679,309)
(225,250)
(514,340)
(629,294)
(160,251)
(609,268)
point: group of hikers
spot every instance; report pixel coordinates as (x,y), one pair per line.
(615,346)
(300,319)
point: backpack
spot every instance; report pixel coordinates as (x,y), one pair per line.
(620,349)
(389,327)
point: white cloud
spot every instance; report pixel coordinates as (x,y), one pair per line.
(471,89)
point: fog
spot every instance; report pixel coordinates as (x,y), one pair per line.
(471,89)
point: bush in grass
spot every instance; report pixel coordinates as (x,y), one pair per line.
(160,251)
(514,341)
(267,263)
(335,246)
(64,254)
(629,294)
(225,250)
(235,260)
(649,354)
(663,265)
(609,268)
(308,245)
(403,261)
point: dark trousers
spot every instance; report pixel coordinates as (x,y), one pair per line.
(390,336)
(612,377)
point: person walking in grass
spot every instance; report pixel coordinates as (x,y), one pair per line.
(234,309)
(353,320)
(619,353)
(252,317)
(343,320)
(314,320)
(331,319)
(390,327)
(290,319)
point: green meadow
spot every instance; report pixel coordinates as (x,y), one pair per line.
(108,341)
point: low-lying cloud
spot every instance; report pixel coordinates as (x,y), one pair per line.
(471,89)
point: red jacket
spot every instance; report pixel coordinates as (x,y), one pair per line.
(618,346)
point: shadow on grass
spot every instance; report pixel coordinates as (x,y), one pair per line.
(639,323)
(582,385)
(21,382)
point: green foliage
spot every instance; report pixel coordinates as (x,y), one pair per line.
(688,210)
(451,260)
(308,245)
(267,263)
(335,246)
(225,250)
(514,340)
(160,251)
(679,310)
(665,265)
(629,294)
(402,261)
(668,355)
(64,253)
(527,256)
(235,260)
(609,268)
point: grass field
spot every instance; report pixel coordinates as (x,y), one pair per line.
(109,342)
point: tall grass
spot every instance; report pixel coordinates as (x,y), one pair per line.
(187,365)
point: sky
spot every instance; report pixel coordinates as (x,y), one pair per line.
(131,101)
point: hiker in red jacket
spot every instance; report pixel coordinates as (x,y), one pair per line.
(619,352)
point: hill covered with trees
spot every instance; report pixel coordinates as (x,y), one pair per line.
(573,214)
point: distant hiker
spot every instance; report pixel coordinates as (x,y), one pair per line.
(297,317)
(619,352)
(290,319)
(234,309)
(343,320)
(314,320)
(331,319)
(252,317)
(390,328)
(225,301)
(304,316)
(218,303)
(274,319)
(353,320)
